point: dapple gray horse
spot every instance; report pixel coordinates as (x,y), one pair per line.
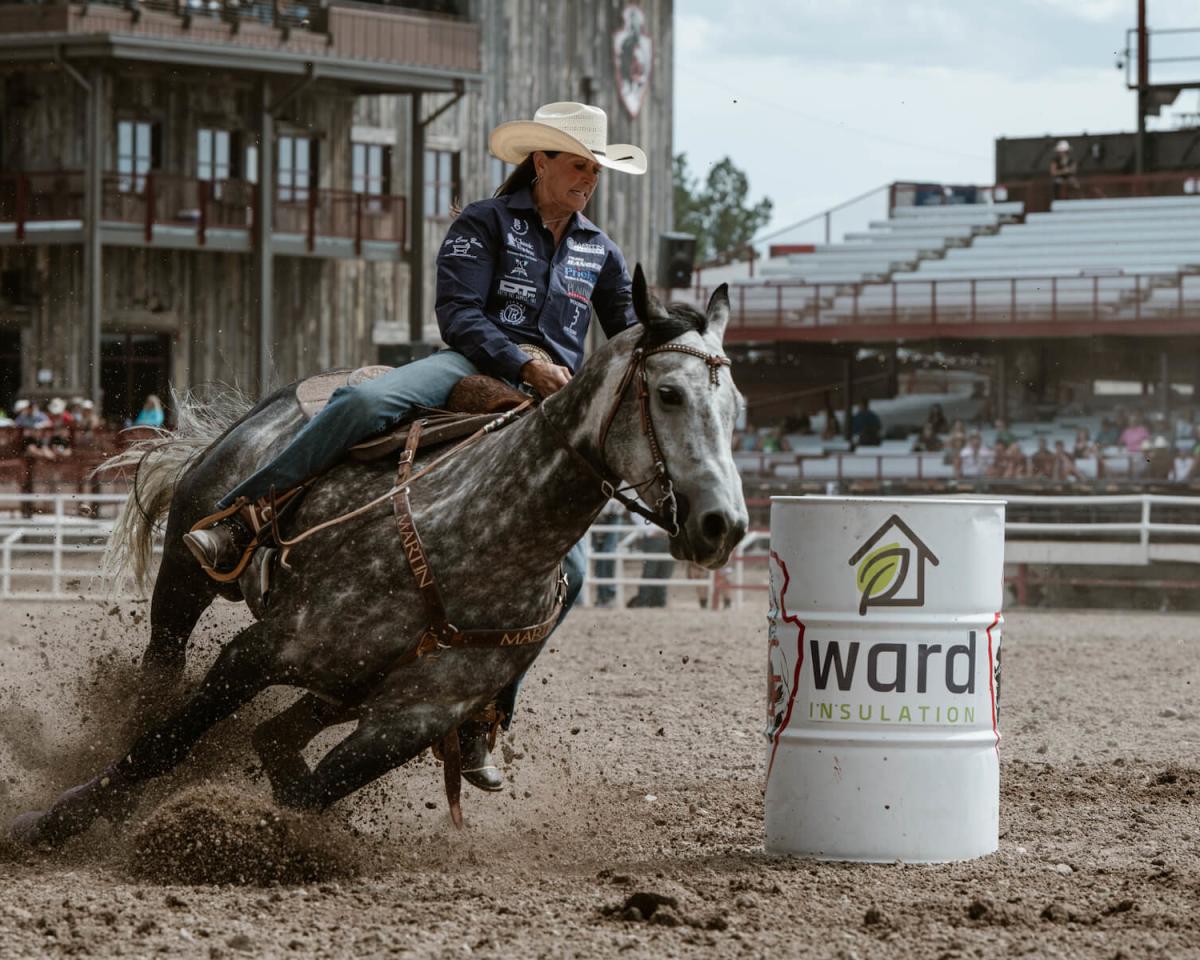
(496,519)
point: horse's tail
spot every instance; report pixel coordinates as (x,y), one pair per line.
(157,464)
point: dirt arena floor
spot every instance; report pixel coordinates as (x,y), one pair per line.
(632,827)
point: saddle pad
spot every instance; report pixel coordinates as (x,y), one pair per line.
(313,393)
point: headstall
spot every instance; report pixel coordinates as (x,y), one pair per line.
(665,512)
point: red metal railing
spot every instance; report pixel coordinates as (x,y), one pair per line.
(343,214)
(972,307)
(172,200)
(40,197)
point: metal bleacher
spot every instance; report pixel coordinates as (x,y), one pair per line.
(911,236)
(1105,258)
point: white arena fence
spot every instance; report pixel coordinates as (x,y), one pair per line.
(54,552)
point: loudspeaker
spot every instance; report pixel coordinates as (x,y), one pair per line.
(676,260)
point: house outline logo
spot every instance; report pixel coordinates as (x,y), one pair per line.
(894,562)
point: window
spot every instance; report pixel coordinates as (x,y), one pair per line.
(297,172)
(370,169)
(441,182)
(250,170)
(212,157)
(137,153)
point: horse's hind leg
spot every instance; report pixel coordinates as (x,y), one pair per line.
(278,743)
(246,665)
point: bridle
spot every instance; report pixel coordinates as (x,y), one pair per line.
(665,513)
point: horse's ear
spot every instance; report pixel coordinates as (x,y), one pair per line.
(641,296)
(717,311)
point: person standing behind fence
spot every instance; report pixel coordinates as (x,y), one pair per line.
(660,571)
(606,542)
(151,414)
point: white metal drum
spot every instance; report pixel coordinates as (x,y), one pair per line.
(883,684)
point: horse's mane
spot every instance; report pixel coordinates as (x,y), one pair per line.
(679,319)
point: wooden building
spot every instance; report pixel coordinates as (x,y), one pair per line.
(148,239)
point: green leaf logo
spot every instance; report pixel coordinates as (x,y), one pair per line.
(878,569)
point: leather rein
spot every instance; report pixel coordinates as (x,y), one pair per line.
(665,512)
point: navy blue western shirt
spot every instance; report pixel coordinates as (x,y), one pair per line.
(500,282)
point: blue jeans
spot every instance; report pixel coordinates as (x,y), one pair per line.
(352,415)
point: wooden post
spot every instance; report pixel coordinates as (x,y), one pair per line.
(416,219)
(263,223)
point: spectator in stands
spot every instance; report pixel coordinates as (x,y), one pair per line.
(1185,428)
(1109,435)
(958,435)
(937,419)
(1062,171)
(999,461)
(1134,436)
(1064,463)
(1016,464)
(35,442)
(974,459)
(151,414)
(1003,434)
(29,415)
(833,428)
(866,429)
(1043,461)
(929,441)
(1083,444)
(84,413)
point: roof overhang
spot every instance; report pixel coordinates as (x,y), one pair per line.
(362,76)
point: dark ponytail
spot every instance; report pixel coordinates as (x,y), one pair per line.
(522,177)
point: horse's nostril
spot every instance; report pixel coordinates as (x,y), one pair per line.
(714,527)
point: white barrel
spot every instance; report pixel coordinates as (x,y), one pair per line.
(883,685)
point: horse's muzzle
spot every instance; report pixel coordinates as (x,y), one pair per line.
(708,536)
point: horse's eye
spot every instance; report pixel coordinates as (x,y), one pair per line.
(670,397)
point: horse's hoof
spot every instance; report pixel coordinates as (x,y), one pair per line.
(26,829)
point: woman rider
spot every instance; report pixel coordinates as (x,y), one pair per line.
(524,268)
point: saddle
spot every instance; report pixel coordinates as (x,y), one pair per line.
(473,402)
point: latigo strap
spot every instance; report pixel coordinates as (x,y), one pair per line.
(440,634)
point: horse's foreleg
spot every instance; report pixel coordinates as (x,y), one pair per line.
(278,742)
(181,594)
(384,739)
(246,665)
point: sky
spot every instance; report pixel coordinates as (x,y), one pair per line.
(822,100)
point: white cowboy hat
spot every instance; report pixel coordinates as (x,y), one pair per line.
(1062,145)
(571,128)
(57,406)
(20,405)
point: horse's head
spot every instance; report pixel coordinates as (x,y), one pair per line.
(684,423)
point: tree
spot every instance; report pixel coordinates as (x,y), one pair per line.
(717,213)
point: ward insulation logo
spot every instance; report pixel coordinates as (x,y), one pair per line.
(881,570)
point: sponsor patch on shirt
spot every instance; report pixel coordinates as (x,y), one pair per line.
(522,291)
(594,248)
(513,314)
(521,246)
(464,247)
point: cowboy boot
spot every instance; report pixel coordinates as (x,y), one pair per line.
(220,546)
(475,742)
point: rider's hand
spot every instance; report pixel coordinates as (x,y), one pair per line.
(545,378)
